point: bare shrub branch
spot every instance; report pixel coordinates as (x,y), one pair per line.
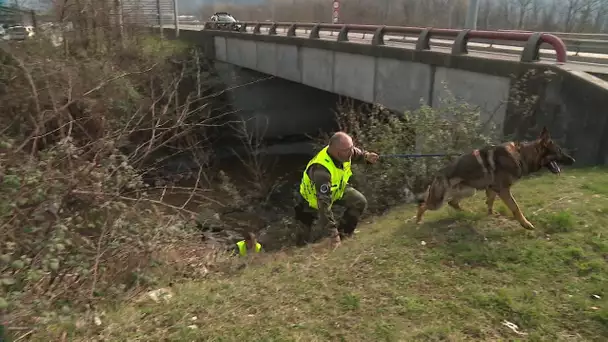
(78,221)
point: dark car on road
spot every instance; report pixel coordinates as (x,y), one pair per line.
(225,21)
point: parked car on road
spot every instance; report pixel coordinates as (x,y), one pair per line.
(224,20)
(16,33)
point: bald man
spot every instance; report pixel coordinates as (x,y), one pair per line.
(325,182)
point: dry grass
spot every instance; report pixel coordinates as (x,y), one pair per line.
(472,273)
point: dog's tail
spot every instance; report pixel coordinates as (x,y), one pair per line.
(434,197)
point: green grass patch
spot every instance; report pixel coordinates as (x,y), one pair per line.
(456,277)
(153,45)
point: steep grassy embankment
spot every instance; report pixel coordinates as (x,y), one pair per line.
(456,277)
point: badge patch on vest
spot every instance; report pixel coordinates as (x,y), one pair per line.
(324,189)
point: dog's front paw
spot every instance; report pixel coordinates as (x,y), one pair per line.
(526,224)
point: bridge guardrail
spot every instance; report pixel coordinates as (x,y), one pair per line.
(572,45)
(530,41)
(587,45)
(569,35)
(597,46)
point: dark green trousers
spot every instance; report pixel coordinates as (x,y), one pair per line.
(353,202)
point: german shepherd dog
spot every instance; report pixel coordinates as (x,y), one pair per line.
(493,169)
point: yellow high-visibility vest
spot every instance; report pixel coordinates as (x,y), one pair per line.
(242,245)
(339,178)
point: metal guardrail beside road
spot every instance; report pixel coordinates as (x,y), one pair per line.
(526,44)
(596,43)
(571,35)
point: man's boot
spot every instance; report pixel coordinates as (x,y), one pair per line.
(347,226)
(305,221)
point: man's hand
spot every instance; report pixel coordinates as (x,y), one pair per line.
(371,157)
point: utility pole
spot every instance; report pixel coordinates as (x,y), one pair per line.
(472,12)
(176,18)
(159,14)
(387,10)
(118,12)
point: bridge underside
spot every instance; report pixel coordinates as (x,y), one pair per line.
(276,108)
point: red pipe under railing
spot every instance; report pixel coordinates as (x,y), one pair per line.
(530,53)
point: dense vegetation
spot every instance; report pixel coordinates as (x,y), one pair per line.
(91,209)
(104,237)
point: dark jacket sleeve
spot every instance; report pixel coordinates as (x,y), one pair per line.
(358,156)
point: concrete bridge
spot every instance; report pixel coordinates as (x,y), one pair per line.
(303,71)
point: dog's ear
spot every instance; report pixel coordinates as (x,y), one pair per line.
(544,135)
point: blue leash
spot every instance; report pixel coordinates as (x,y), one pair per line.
(419,155)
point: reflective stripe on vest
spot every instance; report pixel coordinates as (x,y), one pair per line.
(339,178)
(243,247)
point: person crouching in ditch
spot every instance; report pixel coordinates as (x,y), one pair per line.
(325,182)
(248,244)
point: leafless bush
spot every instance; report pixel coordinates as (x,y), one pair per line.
(255,162)
(77,220)
(99,26)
